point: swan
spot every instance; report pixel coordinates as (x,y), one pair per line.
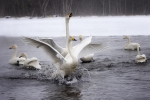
(130,46)
(65,65)
(87,58)
(14,59)
(140,58)
(30,62)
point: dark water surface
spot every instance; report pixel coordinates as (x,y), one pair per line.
(114,75)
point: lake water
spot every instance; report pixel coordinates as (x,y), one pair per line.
(114,75)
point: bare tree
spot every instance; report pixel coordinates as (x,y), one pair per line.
(103,3)
(67,6)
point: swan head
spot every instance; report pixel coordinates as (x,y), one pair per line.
(23,55)
(125,37)
(71,38)
(13,47)
(80,37)
(68,16)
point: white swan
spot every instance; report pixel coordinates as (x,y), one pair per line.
(130,46)
(30,62)
(66,65)
(87,58)
(140,58)
(14,59)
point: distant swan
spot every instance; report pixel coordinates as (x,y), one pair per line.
(14,59)
(130,46)
(140,58)
(87,58)
(30,62)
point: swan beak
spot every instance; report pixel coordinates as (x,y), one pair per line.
(20,56)
(10,47)
(74,40)
(70,15)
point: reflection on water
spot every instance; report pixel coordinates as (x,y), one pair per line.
(63,92)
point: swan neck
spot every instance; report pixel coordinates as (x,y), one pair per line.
(69,43)
(80,39)
(138,50)
(128,40)
(74,58)
(26,56)
(67,31)
(15,53)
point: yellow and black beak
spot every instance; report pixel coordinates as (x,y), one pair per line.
(70,15)
(74,39)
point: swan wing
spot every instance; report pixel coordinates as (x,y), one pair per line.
(51,42)
(53,54)
(92,48)
(30,61)
(34,63)
(78,48)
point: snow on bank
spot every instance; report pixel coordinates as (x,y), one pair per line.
(95,26)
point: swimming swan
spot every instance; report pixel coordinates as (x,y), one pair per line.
(140,58)
(14,59)
(87,58)
(130,46)
(30,62)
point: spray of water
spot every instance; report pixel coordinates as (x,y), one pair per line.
(46,74)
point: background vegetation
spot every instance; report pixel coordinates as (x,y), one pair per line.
(42,8)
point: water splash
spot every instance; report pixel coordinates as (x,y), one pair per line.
(46,74)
